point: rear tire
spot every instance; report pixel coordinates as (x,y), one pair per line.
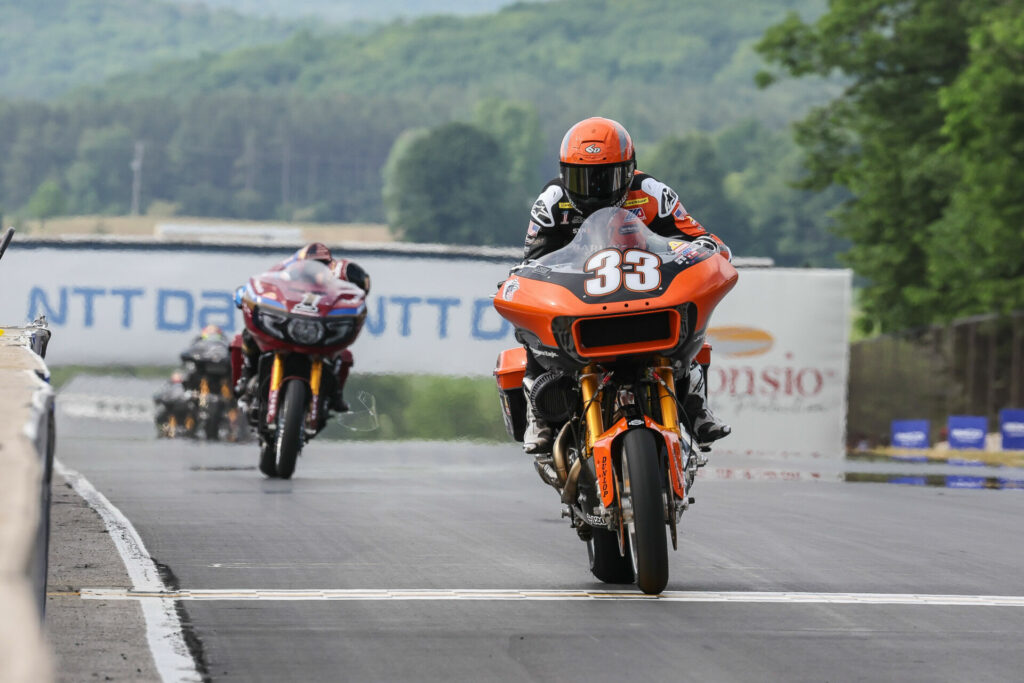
(605,562)
(289,427)
(642,484)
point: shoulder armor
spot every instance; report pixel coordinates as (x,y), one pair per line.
(543,209)
(662,193)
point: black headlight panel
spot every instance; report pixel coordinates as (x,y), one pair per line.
(306,330)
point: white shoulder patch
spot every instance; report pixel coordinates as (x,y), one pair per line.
(662,193)
(543,211)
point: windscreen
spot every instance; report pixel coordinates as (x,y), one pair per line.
(620,230)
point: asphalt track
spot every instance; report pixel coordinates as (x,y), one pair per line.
(448,562)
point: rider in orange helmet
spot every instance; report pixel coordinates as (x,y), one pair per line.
(598,170)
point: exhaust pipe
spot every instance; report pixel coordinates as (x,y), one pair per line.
(559,455)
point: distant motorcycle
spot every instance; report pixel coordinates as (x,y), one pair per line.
(173,412)
(613,317)
(303,318)
(207,379)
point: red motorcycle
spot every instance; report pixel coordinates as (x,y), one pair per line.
(614,317)
(303,318)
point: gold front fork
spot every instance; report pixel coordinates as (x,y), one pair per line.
(276,373)
(669,416)
(315,375)
(591,399)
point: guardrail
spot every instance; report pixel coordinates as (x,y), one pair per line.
(26,462)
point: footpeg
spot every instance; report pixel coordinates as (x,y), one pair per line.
(546,471)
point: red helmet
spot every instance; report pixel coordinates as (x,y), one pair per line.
(315,251)
(597,163)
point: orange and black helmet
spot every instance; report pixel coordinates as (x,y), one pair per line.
(315,251)
(597,162)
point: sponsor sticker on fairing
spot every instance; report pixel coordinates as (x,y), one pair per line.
(511,287)
(686,252)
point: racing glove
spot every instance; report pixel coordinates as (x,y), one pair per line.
(713,245)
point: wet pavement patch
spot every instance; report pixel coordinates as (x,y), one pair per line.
(949,481)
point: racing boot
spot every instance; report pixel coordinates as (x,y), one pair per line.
(245,387)
(706,427)
(338,403)
(341,367)
(538,435)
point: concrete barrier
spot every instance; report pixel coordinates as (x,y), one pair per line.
(26,457)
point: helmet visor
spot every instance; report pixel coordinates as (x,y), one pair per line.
(604,183)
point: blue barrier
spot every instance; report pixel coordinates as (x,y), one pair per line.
(1011,427)
(967,431)
(910,434)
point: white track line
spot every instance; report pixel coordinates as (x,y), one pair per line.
(101,407)
(163,629)
(561,595)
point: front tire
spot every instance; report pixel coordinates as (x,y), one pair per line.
(289,427)
(605,561)
(267,464)
(211,423)
(642,488)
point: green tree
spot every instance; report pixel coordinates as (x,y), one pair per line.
(791,225)
(47,201)
(977,260)
(883,138)
(100,178)
(691,167)
(516,127)
(449,184)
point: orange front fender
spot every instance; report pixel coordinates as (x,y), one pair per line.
(606,470)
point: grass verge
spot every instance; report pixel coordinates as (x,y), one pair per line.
(421,407)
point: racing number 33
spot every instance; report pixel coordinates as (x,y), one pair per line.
(609,269)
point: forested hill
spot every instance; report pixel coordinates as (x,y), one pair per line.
(355,10)
(662,65)
(464,112)
(50,46)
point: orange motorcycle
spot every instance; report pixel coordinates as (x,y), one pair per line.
(614,317)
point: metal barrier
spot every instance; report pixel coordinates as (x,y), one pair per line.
(26,459)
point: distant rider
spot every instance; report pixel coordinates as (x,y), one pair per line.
(597,171)
(211,335)
(343,269)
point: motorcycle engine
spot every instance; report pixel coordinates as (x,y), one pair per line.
(553,396)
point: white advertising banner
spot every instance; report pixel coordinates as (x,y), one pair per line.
(779,364)
(136,307)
